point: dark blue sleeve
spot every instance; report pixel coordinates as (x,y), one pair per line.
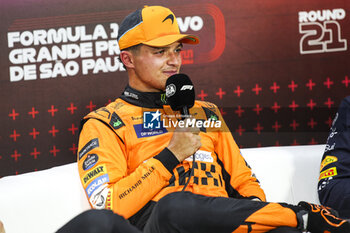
(336,157)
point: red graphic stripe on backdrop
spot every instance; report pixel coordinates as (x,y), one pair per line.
(219,25)
(220,34)
(66,20)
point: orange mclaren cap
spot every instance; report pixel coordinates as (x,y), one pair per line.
(152,25)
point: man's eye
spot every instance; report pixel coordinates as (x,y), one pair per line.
(159,52)
(178,50)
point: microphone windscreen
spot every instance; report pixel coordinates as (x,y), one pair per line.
(179,91)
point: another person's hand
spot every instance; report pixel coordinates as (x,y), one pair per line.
(2,229)
(185,142)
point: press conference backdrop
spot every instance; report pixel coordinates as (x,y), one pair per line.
(276,69)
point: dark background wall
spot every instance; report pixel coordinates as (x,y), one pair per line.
(277,69)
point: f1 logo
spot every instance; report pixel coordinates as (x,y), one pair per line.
(186,87)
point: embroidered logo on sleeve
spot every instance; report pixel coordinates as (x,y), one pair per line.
(88,147)
(328,173)
(99,170)
(90,161)
(96,183)
(116,122)
(203,156)
(329,159)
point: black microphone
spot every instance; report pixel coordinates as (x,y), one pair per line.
(180,94)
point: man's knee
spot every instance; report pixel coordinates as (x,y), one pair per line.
(168,207)
(98,217)
(173,208)
(90,221)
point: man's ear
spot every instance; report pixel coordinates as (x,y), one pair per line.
(127,58)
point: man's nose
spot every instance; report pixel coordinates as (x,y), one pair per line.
(174,58)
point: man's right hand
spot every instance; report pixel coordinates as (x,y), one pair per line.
(185,142)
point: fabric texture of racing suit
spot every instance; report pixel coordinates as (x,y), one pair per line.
(334,180)
(125,166)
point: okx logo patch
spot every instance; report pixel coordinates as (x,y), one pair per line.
(151,120)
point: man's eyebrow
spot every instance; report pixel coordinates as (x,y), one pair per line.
(167,47)
(156,48)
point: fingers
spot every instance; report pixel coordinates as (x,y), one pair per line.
(185,140)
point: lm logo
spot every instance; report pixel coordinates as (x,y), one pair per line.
(151,120)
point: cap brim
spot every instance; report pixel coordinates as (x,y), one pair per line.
(169,39)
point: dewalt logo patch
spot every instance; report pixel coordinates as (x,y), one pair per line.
(99,170)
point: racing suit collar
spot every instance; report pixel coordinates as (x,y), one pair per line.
(144,99)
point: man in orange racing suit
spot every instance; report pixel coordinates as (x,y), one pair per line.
(140,172)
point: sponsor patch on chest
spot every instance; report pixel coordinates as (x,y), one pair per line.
(203,156)
(141,132)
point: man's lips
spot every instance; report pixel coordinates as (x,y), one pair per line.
(170,73)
